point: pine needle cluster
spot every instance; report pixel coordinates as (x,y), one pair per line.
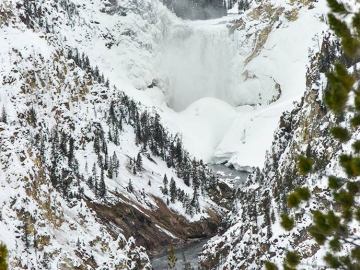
(3,257)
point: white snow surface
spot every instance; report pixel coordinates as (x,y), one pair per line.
(60,228)
(206,86)
(237,124)
(217,87)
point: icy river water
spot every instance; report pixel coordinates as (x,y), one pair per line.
(189,252)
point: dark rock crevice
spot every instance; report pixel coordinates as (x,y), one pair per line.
(154,229)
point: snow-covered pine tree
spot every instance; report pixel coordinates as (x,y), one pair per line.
(139,163)
(243,5)
(172,190)
(95,179)
(164,189)
(102,187)
(3,115)
(130,186)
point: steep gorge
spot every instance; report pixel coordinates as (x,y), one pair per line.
(104,99)
(254,234)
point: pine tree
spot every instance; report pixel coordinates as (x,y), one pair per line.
(3,115)
(94,179)
(196,182)
(63,143)
(90,182)
(186,178)
(71,151)
(331,228)
(130,186)
(243,5)
(3,257)
(138,134)
(31,117)
(165,185)
(180,195)
(179,151)
(96,144)
(139,162)
(172,190)
(106,160)
(78,244)
(112,116)
(171,257)
(189,208)
(96,74)
(116,164)
(110,171)
(102,186)
(158,135)
(54,158)
(195,201)
(26,236)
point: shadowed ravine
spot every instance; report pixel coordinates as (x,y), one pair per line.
(189,251)
(198,61)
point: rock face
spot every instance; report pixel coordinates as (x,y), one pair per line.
(197,10)
(154,229)
(254,234)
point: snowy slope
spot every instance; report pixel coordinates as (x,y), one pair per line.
(41,227)
(283,58)
(72,144)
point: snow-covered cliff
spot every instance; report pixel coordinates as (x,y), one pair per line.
(254,234)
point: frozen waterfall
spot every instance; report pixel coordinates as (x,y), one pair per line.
(197,61)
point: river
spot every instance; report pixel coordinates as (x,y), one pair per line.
(234,178)
(187,253)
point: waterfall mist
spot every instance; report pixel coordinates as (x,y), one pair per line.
(197,63)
